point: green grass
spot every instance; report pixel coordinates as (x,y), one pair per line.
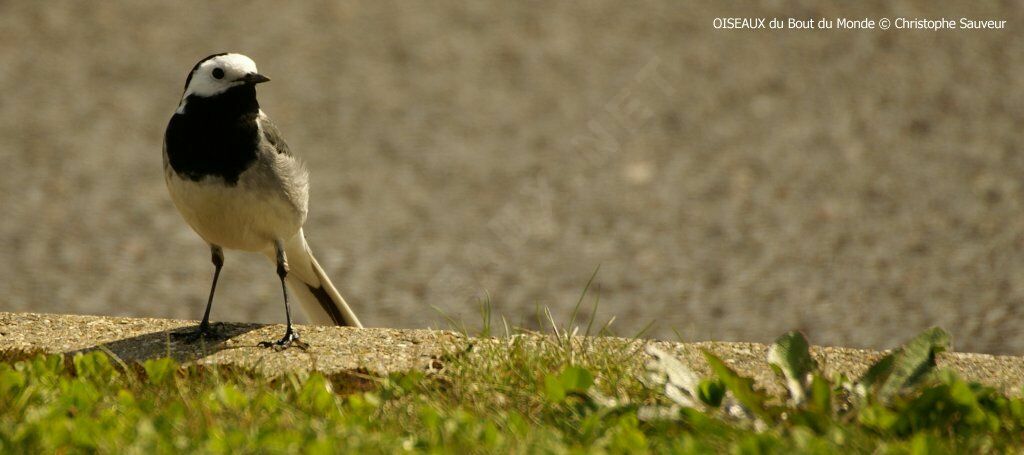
(518,394)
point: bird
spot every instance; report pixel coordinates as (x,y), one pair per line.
(239,186)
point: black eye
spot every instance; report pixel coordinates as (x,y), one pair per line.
(218,73)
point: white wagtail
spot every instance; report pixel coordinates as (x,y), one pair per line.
(237,184)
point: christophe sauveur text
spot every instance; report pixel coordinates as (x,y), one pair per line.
(841,23)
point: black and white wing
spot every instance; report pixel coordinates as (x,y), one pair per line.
(272,135)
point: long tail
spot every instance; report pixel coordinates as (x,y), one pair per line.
(318,297)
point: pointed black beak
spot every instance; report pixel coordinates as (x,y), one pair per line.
(253,78)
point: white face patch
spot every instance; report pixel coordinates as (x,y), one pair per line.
(217,75)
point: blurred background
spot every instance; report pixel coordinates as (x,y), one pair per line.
(728,184)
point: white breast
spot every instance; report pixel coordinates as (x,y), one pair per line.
(248,216)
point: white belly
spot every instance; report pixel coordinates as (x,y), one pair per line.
(240,217)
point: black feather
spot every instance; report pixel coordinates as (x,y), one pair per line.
(328,305)
(215,136)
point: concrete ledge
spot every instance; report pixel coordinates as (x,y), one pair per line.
(332,349)
(382,351)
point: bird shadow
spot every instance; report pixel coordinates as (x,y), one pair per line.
(164,344)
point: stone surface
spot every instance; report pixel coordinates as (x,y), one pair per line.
(331,349)
(381,351)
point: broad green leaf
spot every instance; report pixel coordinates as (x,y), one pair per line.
(11,381)
(94,366)
(821,395)
(553,390)
(47,366)
(876,374)
(231,397)
(160,370)
(572,380)
(741,387)
(317,395)
(576,379)
(626,437)
(790,356)
(756,444)
(711,392)
(904,367)
(878,418)
(924,444)
(914,361)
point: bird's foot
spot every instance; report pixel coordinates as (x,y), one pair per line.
(204,331)
(290,339)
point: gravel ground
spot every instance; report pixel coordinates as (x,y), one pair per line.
(731,185)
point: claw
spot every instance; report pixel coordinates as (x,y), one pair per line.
(290,339)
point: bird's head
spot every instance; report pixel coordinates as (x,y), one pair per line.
(219,72)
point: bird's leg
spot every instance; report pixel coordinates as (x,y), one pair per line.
(291,337)
(205,330)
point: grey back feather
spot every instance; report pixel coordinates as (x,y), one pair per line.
(273,136)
